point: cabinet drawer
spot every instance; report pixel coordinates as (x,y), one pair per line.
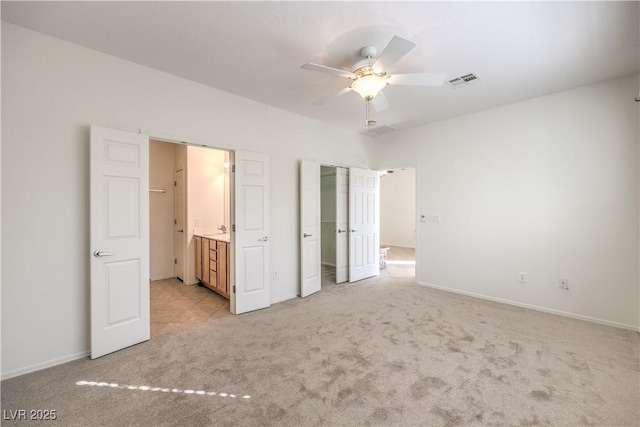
(213,265)
(213,254)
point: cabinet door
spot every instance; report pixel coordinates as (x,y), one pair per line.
(205,260)
(223,272)
(213,264)
(198,258)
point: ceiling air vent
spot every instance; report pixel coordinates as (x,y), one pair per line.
(463,80)
(381,130)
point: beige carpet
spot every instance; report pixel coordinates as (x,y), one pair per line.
(379,352)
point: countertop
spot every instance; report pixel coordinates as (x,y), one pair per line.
(223,237)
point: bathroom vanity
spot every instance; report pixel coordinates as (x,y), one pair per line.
(212,262)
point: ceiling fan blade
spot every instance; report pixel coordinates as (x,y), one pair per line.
(324,69)
(418,79)
(396,49)
(380,102)
(333,96)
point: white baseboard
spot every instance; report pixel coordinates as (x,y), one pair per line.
(153,279)
(44,365)
(285,298)
(384,245)
(534,307)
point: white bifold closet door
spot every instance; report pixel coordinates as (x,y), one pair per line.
(310,256)
(364,224)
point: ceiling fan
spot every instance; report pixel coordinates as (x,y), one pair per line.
(370,75)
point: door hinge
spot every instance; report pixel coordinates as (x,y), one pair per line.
(175,261)
(175,183)
(233,228)
(175,221)
(233,168)
(234,289)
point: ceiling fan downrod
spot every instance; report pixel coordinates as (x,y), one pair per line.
(368,122)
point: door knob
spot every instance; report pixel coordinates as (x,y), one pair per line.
(264,239)
(307,235)
(354,231)
(342,231)
(180,231)
(99,254)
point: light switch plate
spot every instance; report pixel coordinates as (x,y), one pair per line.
(435,219)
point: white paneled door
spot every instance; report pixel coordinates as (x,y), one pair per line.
(119,242)
(342,224)
(251,278)
(364,224)
(309,227)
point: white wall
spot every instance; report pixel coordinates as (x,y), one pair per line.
(52,91)
(548,187)
(398,208)
(205,199)
(162,158)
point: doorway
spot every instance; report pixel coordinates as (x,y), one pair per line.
(328,226)
(188,196)
(120,244)
(398,232)
(340,226)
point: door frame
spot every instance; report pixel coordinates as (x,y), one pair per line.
(416,196)
(205,143)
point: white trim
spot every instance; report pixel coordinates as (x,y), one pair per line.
(384,245)
(44,365)
(153,279)
(285,298)
(188,140)
(534,307)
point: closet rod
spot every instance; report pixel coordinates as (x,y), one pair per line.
(157,191)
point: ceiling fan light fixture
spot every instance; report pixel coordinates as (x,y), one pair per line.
(368,86)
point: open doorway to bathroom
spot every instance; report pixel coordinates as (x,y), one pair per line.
(398,222)
(189,195)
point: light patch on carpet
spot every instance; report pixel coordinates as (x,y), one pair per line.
(160,389)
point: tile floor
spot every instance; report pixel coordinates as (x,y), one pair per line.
(175,306)
(401,262)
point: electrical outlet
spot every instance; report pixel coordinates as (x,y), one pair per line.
(563,283)
(276,274)
(522,277)
(196,222)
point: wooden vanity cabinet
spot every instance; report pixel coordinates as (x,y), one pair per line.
(212,264)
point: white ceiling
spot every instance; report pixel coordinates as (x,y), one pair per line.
(255,49)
